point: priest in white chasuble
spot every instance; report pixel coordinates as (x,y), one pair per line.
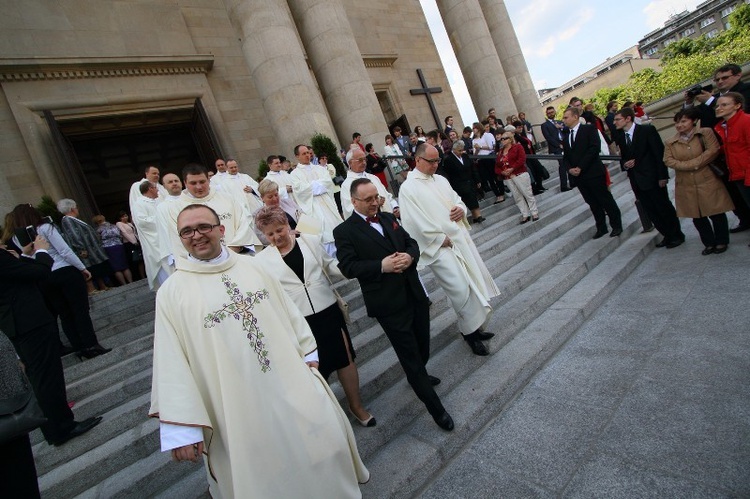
(235,378)
(284,181)
(313,190)
(240,186)
(144,218)
(355,158)
(238,236)
(435,216)
(150,173)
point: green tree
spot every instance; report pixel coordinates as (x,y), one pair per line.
(321,144)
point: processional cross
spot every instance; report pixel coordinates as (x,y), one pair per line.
(427,92)
(240,308)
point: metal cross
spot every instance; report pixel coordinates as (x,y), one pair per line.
(427,92)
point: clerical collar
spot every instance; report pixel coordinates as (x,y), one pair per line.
(175,197)
(223,256)
(188,194)
(308,166)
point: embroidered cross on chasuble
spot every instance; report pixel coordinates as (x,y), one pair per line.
(240,308)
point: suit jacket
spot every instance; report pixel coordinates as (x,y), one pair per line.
(22,307)
(360,250)
(552,136)
(647,150)
(708,113)
(584,154)
(460,176)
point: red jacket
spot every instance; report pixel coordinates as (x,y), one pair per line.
(516,159)
(735,141)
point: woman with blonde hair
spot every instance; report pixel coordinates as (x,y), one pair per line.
(511,164)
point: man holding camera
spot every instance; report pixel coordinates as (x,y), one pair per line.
(727,79)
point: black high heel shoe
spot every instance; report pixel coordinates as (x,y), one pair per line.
(87,353)
(102,350)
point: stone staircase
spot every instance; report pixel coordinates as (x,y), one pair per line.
(551,275)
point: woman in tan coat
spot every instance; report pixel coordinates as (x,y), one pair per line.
(699,194)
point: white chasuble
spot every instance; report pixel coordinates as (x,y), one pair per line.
(346,197)
(426,202)
(238,230)
(229,349)
(145,220)
(313,190)
(234,186)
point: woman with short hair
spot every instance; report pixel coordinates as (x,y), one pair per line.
(111,240)
(698,193)
(303,267)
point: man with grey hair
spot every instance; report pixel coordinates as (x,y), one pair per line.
(355,158)
(150,173)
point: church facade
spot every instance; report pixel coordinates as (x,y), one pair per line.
(93,91)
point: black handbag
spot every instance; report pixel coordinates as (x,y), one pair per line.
(19,410)
(718,166)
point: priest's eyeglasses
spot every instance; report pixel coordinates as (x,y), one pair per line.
(432,161)
(203,229)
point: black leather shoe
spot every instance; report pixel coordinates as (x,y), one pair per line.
(476,345)
(445,421)
(100,349)
(739,228)
(615,232)
(479,220)
(707,251)
(483,335)
(79,429)
(565,189)
(720,249)
(674,244)
(661,243)
(524,220)
(434,380)
(599,233)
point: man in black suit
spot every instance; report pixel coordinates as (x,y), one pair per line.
(727,79)
(376,250)
(33,332)
(581,146)
(642,157)
(552,131)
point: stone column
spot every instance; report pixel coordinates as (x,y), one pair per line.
(347,91)
(512,60)
(279,70)
(470,37)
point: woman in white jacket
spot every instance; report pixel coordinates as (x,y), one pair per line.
(301,265)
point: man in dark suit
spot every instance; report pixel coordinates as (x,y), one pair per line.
(642,157)
(727,79)
(33,332)
(581,146)
(376,250)
(552,131)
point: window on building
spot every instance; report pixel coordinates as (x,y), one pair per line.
(727,11)
(707,21)
(652,50)
(669,41)
(713,33)
(688,31)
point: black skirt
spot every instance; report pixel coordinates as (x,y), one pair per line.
(329,329)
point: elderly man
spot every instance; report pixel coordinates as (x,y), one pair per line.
(313,190)
(235,377)
(435,216)
(154,249)
(356,160)
(238,231)
(150,173)
(280,176)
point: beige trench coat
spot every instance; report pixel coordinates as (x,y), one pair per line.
(698,192)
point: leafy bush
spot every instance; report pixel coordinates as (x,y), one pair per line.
(321,144)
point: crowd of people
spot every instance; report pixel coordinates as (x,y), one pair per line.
(247,314)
